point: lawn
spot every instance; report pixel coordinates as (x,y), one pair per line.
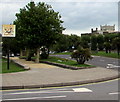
(13,67)
(66,62)
(103,53)
(100,53)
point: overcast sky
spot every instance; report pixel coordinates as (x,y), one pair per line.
(78,16)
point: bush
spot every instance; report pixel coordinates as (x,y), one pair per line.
(81,55)
(44,53)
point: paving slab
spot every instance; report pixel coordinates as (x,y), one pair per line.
(44,75)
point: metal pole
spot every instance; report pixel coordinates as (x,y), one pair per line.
(8,59)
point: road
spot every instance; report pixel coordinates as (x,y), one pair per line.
(97,60)
(96,91)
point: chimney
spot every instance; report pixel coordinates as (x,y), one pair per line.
(96,29)
(92,30)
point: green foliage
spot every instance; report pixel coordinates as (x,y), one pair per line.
(85,41)
(100,41)
(44,53)
(111,55)
(66,42)
(116,43)
(66,62)
(11,44)
(107,46)
(74,41)
(13,67)
(93,43)
(81,55)
(38,25)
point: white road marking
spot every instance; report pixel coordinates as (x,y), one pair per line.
(82,90)
(112,66)
(61,89)
(27,92)
(114,93)
(37,92)
(51,91)
(34,98)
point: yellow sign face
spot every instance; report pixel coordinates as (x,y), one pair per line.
(8,30)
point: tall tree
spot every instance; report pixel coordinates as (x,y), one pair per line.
(85,41)
(74,41)
(116,43)
(107,43)
(100,41)
(40,25)
(93,42)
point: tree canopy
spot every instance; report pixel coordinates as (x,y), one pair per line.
(38,25)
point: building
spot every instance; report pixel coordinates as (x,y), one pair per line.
(105,29)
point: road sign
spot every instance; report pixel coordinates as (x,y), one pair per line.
(8,30)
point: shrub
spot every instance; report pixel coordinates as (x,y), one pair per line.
(81,55)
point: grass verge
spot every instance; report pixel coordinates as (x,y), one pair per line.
(13,67)
(102,53)
(66,62)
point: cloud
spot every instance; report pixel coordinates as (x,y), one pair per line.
(81,16)
(78,16)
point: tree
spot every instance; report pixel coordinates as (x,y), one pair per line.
(107,43)
(85,41)
(62,44)
(81,55)
(74,42)
(107,46)
(100,41)
(116,43)
(40,25)
(93,42)
(11,45)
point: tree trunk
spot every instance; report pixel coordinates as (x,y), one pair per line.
(118,51)
(37,55)
(21,52)
(48,53)
(28,57)
(106,50)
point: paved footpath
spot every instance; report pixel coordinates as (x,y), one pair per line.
(44,75)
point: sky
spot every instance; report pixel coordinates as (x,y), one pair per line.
(78,16)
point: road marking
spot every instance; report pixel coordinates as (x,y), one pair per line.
(82,90)
(63,86)
(51,91)
(35,98)
(27,93)
(114,93)
(112,66)
(37,92)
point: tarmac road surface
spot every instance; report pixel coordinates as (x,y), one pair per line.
(98,61)
(97,91)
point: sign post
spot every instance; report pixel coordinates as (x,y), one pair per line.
(8,31)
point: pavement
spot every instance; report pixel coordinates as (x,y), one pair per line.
(43,75)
